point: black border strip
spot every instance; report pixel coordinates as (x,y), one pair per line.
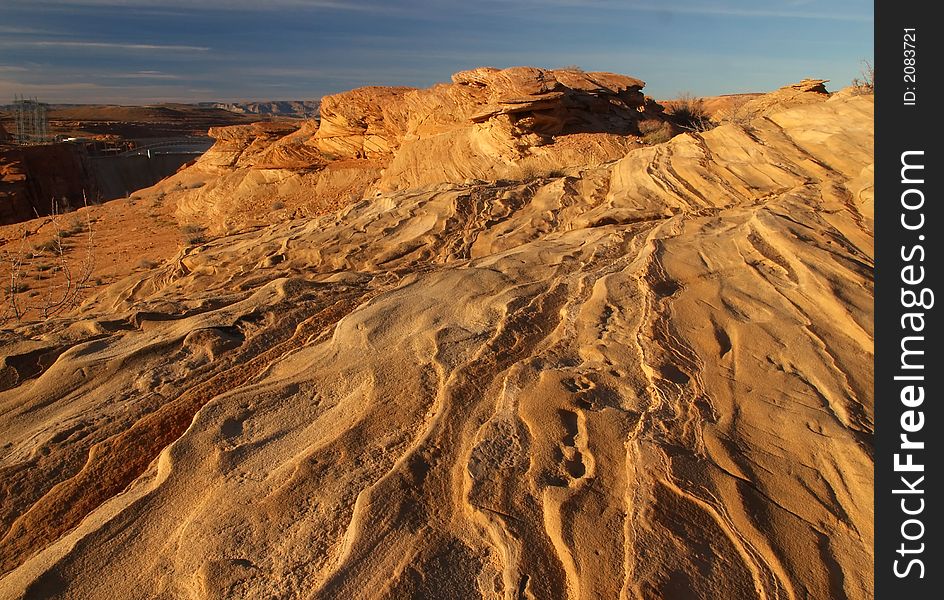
(909,269)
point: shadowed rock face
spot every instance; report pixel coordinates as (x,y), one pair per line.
(648,379)
(35,179)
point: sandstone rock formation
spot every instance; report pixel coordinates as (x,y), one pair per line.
(649,378)
(486,124)
(253,170)
(749,108)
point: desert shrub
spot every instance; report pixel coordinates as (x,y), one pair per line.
(527,172)
(64,273)
(649,125)
(193,234)
(50,246)
(73,228)
(191,228)
(658,135)
(145,263)
(866,83)
(739,113)
(689,113)
(279,205)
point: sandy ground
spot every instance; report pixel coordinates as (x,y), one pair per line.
(648,379)
(127,236)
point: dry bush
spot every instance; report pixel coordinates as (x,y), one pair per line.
(689,113)
(193,234)
(866,83)
(529,171)
(739,113)
(647,126)
(656,132)
(65,274)
(50,246)
(75,227)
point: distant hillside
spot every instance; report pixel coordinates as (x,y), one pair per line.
(299,108)
(161,120)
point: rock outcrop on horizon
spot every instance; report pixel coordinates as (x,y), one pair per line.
(306,108)
(647,375)
(487,124)
(749,108)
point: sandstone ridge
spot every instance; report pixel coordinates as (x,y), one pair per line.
(486,124)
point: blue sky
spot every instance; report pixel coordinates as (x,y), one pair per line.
(147,51)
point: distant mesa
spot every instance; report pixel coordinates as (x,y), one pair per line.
(281,108)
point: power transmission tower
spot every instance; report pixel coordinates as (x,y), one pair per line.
(31,124)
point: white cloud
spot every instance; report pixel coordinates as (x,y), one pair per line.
(34,88)
(223,4)
(851,10)
(733,11)
(141,75)
(85,92)
(111,46)
(8,29)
